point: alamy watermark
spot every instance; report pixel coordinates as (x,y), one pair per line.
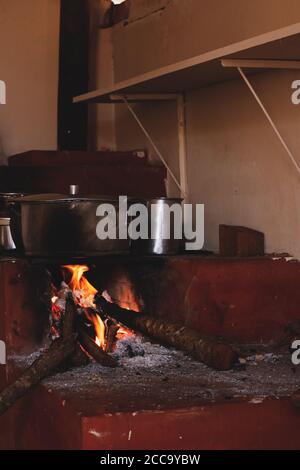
(160,220)
(2,353)
(296,94)
(2,92)
(296,353)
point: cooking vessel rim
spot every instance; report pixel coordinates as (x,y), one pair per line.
(12,194)
(150,199)
(60,198)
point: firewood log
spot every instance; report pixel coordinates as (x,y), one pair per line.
(93,350)
(111,335)
(78,359)
(59,350)
(213,353)
(69,320)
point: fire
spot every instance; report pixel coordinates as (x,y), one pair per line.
(83,291)
(100,331)
(84,296)
(126,297)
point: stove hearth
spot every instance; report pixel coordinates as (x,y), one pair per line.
(152,392)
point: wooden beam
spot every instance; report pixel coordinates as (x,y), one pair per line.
(261,64)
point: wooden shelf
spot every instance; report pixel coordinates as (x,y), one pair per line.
(204,69)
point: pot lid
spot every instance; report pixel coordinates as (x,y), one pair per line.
(6,195)
(62,198)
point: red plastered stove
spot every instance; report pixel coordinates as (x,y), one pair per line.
(157,399)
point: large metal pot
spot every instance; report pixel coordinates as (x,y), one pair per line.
(52,225)
(157,220)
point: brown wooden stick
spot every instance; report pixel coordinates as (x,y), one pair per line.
(213,353)
(78,359)
(93,350)
(40,369)
(111,328)
(60,353)
(69,320)
(111,335)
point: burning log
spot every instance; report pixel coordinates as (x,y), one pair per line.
(78,358)
(214,354)
(65,352)
(93,350)
(83,295)
(111,335)
(69,320)
(105,332)
(59,351)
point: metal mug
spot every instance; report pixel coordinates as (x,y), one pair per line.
(158,244)
(6,241)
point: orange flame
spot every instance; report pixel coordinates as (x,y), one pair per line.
(84,293)
(99,329)
(126,296)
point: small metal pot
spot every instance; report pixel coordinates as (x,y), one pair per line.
(157,221)
(6,241)
(52,225)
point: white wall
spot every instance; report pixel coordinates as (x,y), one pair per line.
(235,164)
(29,42)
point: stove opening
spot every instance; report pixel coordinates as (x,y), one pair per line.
(91,319)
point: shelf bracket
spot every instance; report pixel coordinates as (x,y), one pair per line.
(261,63)
(182,185)
(270,120)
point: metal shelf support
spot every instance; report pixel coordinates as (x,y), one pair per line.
(182,185)
(269,64)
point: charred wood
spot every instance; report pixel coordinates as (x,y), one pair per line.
(59,350)
(93,350)
(213,353)
(57,355)
(110,335)
(69,321)
(78,359)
